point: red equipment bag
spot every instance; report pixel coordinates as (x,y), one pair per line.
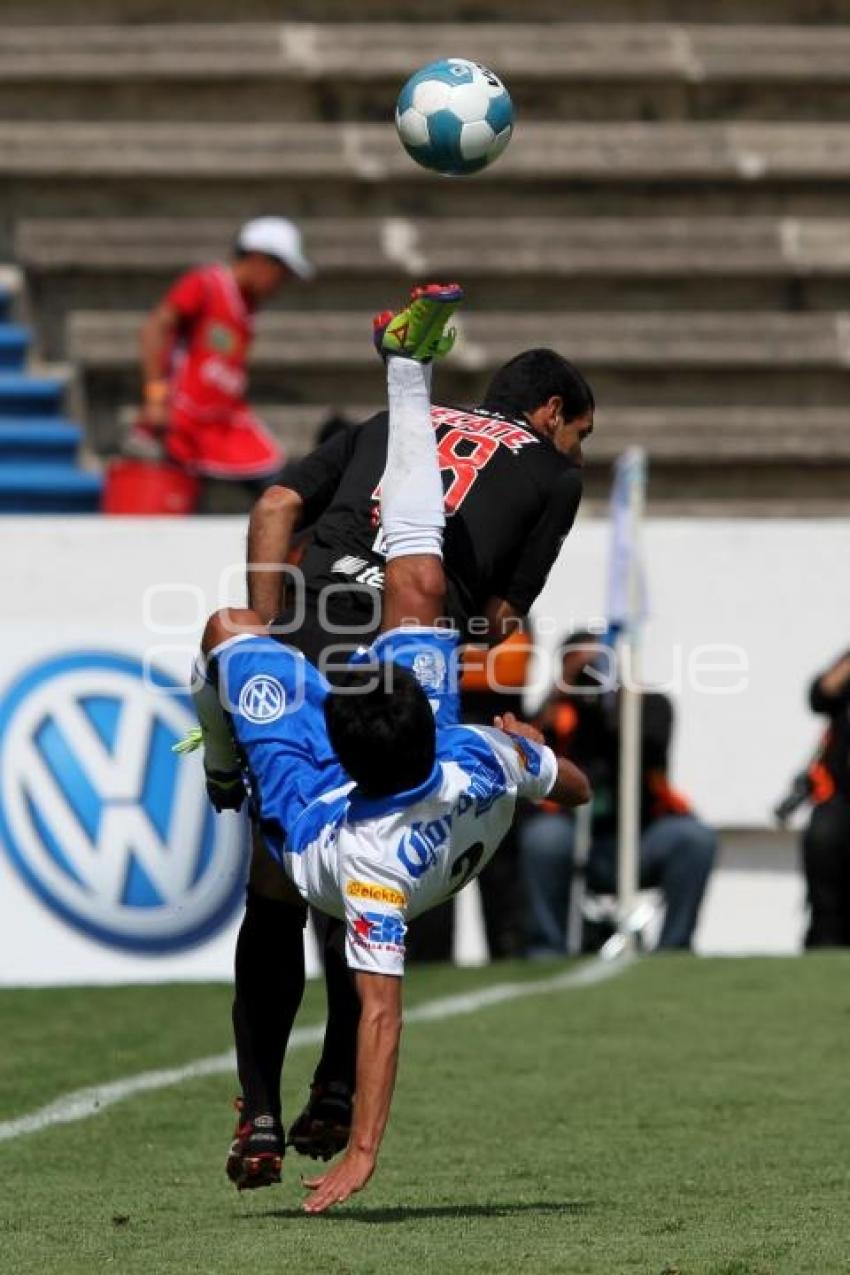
(148,487)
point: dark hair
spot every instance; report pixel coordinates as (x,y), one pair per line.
(241,254)
(530,379)
(381,728)
(579,637)
(331,426)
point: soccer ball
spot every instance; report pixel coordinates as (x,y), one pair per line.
(454,116)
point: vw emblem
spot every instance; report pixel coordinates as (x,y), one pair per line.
(103,821)
(262,699)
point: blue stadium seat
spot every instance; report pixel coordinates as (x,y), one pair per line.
(38,446)
(22,395)
(14,344)
(38,440)
(48,488)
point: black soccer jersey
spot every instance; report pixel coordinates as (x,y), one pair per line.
(511,498)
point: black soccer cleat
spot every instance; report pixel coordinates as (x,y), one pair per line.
(225,791)
(324,1126)
(256,1153)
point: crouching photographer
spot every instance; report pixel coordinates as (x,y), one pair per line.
(677,850)
(826,840)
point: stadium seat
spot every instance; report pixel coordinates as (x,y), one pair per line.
(538,246)
(691,339)
(26,442)
(624,263)
(38,447)
(734,154)
(672,210)
(29,396)
(690,64)
(47,489)
(654,370)
(204,11)
(14,342)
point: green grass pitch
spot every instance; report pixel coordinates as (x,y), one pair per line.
(688,1117)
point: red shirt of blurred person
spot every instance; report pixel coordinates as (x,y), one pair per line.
(212,429)
(195,349)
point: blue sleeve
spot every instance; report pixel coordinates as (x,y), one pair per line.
(274,699)
(433,656)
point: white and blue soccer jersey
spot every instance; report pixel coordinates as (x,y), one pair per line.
(374,862)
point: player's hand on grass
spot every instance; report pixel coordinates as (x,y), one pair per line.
(514,726)
(343,1180)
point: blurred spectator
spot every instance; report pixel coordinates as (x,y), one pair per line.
(826,841)
(194,348)
(677,852)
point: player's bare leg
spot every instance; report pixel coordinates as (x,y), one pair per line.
(413,520)
(412,502)
(412,512)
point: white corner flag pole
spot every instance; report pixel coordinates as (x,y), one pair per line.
(632,467)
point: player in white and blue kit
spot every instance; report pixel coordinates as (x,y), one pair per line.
(375,802)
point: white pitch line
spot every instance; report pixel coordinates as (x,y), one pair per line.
(81,1104)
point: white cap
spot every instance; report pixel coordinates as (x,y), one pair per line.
(279,238)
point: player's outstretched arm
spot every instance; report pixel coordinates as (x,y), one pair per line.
(572,787)
(297,501)
(274,519)
(832,684)
(502,618)
(378,1039)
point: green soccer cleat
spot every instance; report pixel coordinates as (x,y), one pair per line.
(419,331)
(190,743)
(225,789)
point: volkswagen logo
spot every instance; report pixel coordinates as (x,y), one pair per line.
(262,699)
(109,827)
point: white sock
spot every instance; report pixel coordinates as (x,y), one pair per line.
(411,488)
(219,752)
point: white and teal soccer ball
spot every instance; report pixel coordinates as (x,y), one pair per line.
(454,116)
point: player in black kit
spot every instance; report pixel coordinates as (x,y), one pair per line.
(512,477)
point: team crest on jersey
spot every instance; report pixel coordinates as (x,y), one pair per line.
(221,338)
(529,756)
(380,930)
(262,700)
(429,669)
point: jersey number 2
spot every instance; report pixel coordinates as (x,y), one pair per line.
(465,864)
